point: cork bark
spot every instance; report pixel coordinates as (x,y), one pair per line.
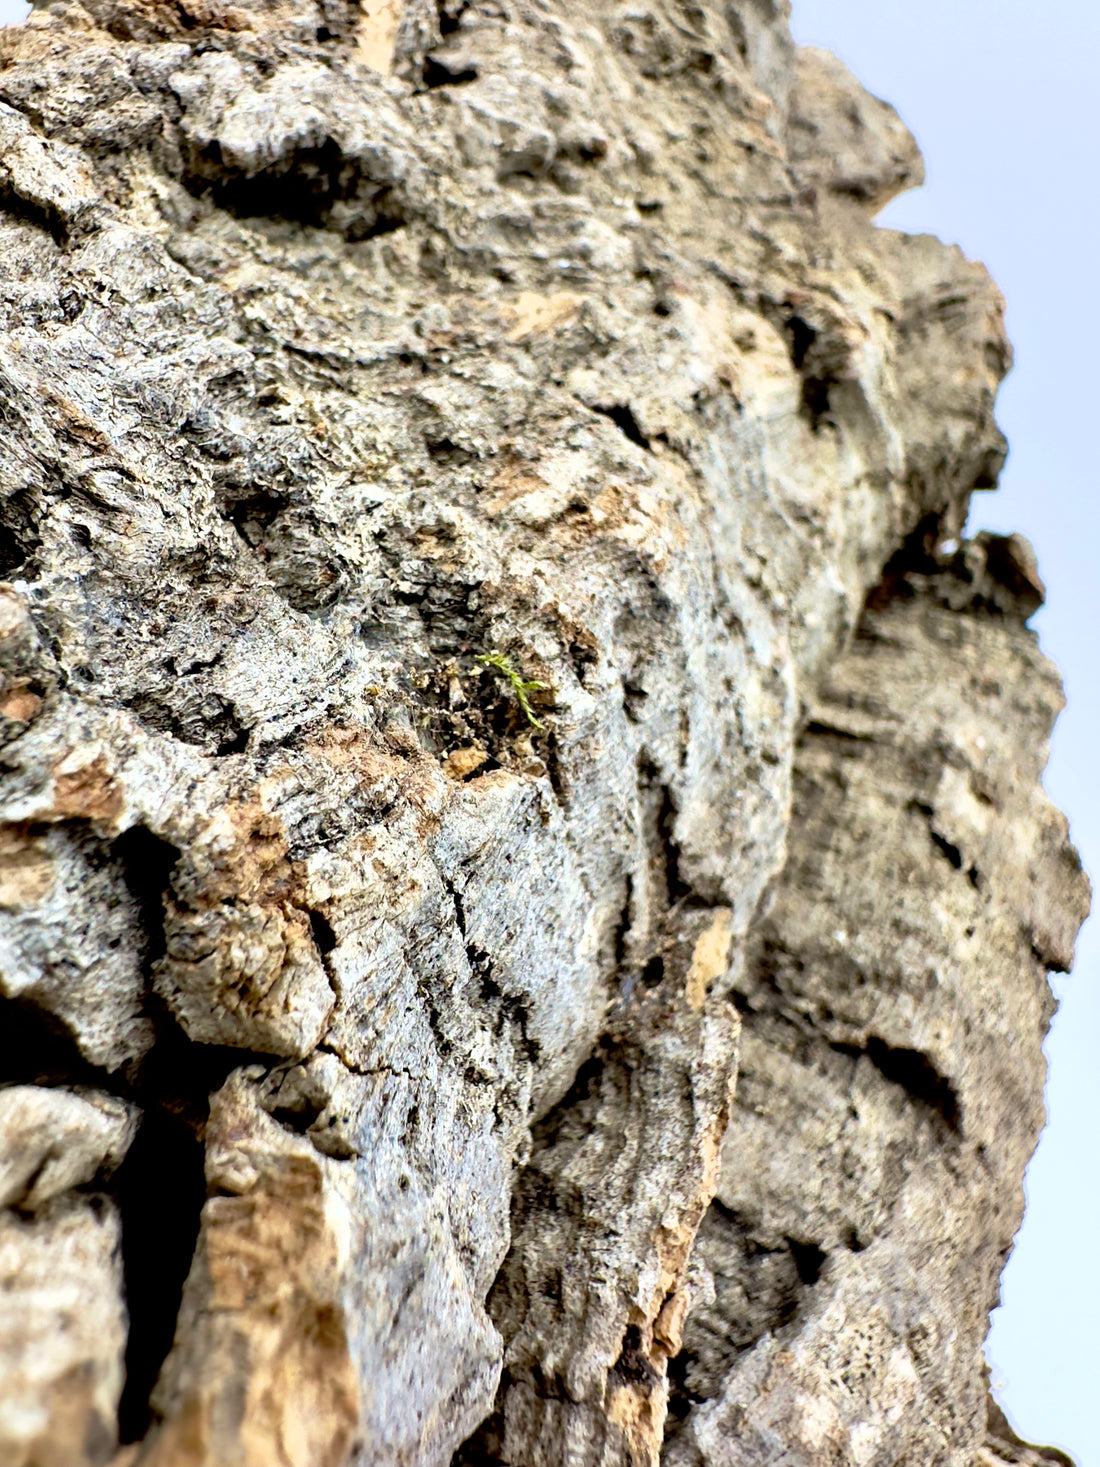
(525,887)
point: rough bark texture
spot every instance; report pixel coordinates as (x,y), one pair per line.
(485,655)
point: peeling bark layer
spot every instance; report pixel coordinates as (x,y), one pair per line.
(482,663)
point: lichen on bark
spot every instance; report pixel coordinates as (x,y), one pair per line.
(370,1038)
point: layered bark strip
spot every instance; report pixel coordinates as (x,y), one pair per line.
(893,1009)
(447,453)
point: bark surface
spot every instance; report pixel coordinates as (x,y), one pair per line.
(487,654)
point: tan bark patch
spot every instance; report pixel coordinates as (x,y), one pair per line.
(13,611)
(19,703)
(86,791)
(263,1376)
(26,871)
(376,36)
(463,762)
(710,957)
(531,314)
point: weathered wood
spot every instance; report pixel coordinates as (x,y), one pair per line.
(363,367)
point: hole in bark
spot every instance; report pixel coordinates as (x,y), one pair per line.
(623,417)
(147,866)
(450,16)
(298,1117)
(445,452)
(236,744)
(815,397)
(251,517)
(653,972)
(303,189)
(915,1073)
(437,73)
(195,714)
(323,935)
(816,385)
(19,537)
(946,849)
(801,336)
(809,1260)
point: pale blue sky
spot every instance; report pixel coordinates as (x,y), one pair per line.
(1002,95)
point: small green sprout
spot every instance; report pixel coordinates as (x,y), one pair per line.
(519,685)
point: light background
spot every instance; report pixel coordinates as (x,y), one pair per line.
(1002,96)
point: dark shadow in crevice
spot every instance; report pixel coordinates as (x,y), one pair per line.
(236,743)
(634,1367)
(485,1447)
(47,219)
(760,1287)
(539,1192)
(622,415)
(450,15)
(195,716)
(818,729)
(679,890)
(19,536)
(161,1189)
(951,853)
(36,1048)
(947,849)
(801,339)
(147,865)
(302,189)
(324,937)
(916,556)
(917,1076)
(555,772)
(439,73)
(253,515)
(658,812)
(448,454)
(809,1260)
